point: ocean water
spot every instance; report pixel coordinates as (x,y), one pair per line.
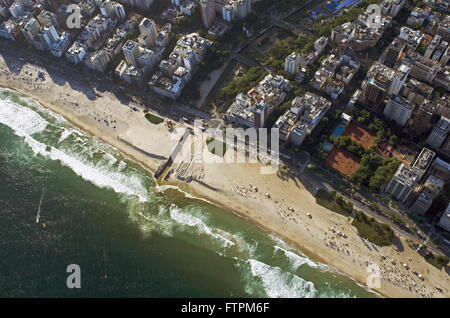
(66,198)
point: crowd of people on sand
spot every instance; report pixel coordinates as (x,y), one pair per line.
(338,241)
(100,117)
(400,277)
(286,213)
(33,78)
(396,275)
(107,120)
(29,76)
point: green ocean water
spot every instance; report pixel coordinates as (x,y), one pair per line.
(66,198)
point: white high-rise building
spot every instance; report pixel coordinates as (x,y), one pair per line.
(76,53)
(292,63)
(320,44)
(120,12)
(31,29)
(398,109)
(147,58)
(432,46)
(23,3)
(107,9)
(113,10)
(397,5)
(403,182)
(299,133)
(46,17)
(243,8)
(50,35)
(16,10)
(228,13)
(439,133)
(398,80)
(445,57)
(189,60)
(142,4)
(63,44)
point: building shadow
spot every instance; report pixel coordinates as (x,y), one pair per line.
(59,70)
(202,183)
(398,244)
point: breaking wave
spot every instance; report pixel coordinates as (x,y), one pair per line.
(281,284)
(27,123)
(295,260)
(22,120)
(163,188)
(104,167)
(190,220)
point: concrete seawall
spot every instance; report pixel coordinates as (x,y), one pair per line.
(168,163)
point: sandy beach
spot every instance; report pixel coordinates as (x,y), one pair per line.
(232,186)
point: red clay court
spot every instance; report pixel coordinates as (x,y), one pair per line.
(360,135)
(342,161)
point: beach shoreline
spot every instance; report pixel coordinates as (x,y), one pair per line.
(229,186)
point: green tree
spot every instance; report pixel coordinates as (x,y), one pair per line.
(393,140)
(384,173)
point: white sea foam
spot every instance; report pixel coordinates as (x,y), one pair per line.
(252,247)
(164,187)
(26,122)
(36,105)
(101,176)
(21,119)
(110,158)
(280,242)
(122,166)
(296,260)
(229,240)
(336,294)
(42,109)
(190,220)
(240,242)
(64,134)
(156,223)
(280,284)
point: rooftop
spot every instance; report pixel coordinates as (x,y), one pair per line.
(424,159)
(443,126)
(407,175)
(380,74)
(292,57)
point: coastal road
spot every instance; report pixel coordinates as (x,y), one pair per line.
(321,182)
(99,82)
(61,68)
